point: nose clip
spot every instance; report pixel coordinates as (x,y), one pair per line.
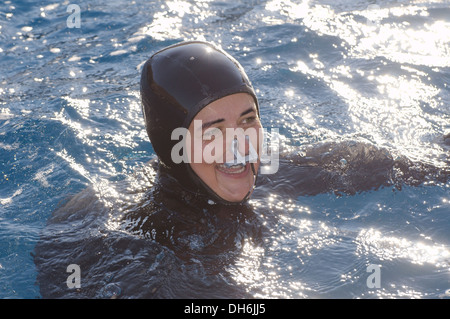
(252,157)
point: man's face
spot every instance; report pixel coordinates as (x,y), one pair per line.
(234,113)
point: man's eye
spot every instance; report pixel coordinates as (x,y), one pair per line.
(250,119)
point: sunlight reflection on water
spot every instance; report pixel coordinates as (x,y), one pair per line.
(324,70)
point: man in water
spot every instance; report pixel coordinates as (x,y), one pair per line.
(194,80)
(185,231)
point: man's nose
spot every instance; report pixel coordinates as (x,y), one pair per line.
(238,150)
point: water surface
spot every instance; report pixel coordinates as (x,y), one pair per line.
(325,71)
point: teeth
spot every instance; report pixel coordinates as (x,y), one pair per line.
(233,169)
(233,166)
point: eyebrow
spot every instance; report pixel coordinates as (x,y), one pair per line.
(208,124)
(252,109)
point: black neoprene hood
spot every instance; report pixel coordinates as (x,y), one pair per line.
(177,82)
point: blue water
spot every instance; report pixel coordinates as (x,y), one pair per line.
(375,71)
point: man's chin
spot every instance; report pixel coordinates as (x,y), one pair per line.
(235,194)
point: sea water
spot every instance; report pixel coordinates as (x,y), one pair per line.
(373,71)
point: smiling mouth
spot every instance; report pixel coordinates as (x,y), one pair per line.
(233,170)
